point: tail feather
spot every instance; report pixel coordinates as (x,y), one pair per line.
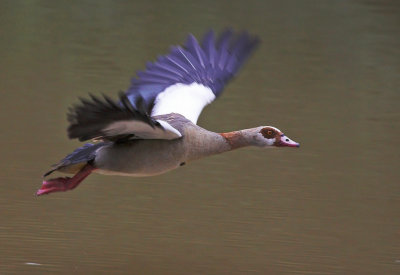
(77,159)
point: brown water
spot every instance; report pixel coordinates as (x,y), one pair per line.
(327,73)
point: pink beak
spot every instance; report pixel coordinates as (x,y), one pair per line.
(287,142)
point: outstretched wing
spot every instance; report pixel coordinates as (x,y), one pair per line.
(105,119)
(191,77)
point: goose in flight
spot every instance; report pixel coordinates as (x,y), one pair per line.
(151,128)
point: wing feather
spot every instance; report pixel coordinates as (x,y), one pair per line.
(193,46)
(176,78)
(108,120)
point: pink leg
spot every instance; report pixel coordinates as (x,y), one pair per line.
(65,183)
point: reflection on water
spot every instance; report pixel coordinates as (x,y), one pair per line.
(327,72)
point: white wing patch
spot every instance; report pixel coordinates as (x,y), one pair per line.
(187,100)
(142,130)
(170,132)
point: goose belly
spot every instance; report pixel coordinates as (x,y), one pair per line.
(140,158)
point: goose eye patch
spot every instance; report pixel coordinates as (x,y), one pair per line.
(268,133)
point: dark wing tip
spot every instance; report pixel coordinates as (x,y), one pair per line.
(212,62)
(90,117)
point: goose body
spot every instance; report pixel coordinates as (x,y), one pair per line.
(148,157)
(152,128)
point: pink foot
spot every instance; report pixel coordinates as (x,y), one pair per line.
(64,183)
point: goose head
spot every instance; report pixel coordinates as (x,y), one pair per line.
(265,136)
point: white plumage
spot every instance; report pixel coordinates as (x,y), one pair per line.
(187,100)
(142,130)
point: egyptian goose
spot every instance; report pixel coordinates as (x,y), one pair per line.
(152,128)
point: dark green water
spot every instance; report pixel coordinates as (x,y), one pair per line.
(327,73)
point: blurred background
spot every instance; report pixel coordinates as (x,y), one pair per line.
(327,73)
